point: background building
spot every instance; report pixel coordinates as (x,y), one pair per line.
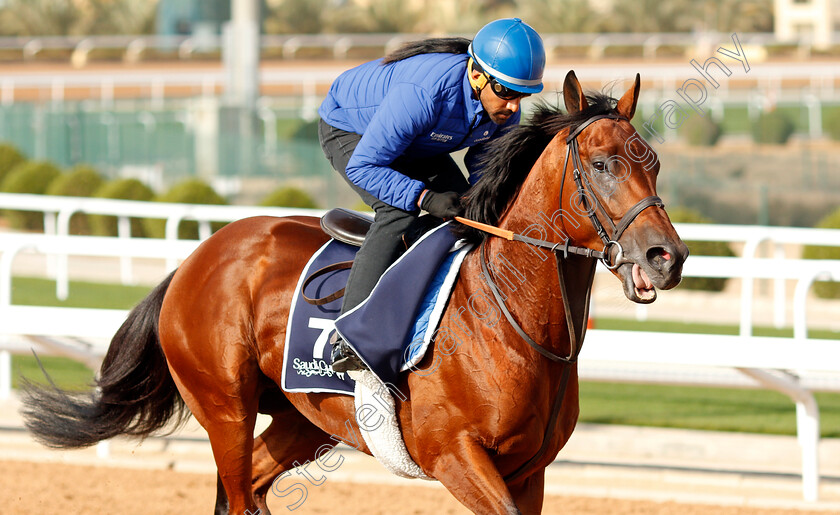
(816,19)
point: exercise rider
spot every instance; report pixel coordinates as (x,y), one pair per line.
(389,125)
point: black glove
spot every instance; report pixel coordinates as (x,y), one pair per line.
(442,205)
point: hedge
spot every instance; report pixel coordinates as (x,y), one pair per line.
(191,191)
(773,127)
(825,289)
(28,177)
(288,197)
(832,124)
(10,157)
(701,131)
(80,181)
(121,189)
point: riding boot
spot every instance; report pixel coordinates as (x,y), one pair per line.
(343,357)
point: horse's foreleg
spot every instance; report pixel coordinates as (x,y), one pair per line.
(222,505)
(469,474)
(528,493)
(290,439)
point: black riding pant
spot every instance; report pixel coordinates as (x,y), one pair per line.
(382,243)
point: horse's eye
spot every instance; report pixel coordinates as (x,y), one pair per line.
(601,166)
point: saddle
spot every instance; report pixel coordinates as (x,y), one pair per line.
(346,226)
(413,293)
(351,227)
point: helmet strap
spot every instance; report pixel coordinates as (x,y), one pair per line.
(477,84)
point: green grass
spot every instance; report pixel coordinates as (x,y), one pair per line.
(752,411)
(736,120)
(31,291)
(723,409)
(719,409)
(65,372)
(665,326)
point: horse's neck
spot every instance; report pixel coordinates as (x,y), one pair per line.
(527,278)
(530,276)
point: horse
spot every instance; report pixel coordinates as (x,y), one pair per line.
(490,405)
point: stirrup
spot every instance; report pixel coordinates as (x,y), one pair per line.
(343,357)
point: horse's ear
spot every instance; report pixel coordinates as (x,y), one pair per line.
(573,94)
(626,107)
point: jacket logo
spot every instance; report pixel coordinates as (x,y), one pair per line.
(439,136)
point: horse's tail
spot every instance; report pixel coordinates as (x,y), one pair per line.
(428,46)
(135,394)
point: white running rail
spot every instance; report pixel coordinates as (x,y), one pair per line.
(781,364)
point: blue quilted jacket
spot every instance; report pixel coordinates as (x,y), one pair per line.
(421,106)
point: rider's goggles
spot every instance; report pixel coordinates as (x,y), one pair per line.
(502,91)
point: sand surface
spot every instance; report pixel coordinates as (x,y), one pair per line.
(58,488)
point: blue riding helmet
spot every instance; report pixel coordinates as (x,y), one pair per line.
(511,52)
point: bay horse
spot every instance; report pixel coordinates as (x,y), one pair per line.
(500,399)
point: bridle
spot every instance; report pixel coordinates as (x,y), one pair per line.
(573,149)
(562,250)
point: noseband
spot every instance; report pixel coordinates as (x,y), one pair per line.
(562,251)
(573,150)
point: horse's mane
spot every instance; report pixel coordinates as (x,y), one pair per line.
(507,160)
(428,46)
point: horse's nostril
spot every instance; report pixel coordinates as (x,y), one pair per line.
(658,257)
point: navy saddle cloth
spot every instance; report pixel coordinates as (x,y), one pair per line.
(382,328)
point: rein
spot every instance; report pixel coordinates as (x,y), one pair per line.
(562,250)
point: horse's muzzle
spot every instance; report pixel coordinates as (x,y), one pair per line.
(658,266)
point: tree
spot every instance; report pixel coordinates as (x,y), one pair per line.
(551,16)
(651,16)
(295,17)
(77,17)
(737,15)
(379,16)
(41,18)
(122,16)
(392,16)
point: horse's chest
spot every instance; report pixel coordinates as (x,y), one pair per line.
(524,419)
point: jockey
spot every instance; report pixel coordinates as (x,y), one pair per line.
(389,125)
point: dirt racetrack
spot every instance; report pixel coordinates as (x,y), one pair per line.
(610,470)
(53,488)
